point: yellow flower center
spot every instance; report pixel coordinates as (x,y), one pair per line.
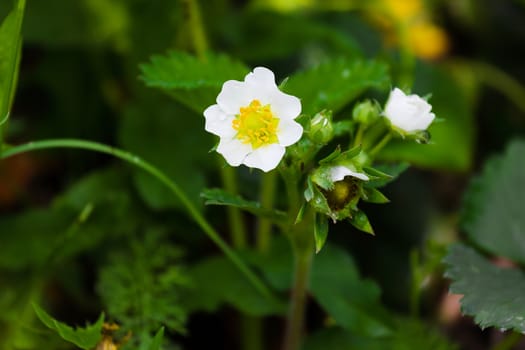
(256,125)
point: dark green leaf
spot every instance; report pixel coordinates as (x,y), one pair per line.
(332,85)
(85,338)
(10,45)
(173,139)
(217,196)
(353,303)
(493,214)
(156,343)
(193,82)
(320,231)
(216,281)
(410,334)
(492,295)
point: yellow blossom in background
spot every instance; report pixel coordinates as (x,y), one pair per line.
(427,41)
(407,24)
(402,10)
(285,5)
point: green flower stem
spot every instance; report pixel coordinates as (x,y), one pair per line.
(501,81)
(408,60)
(302,241)
(384,141)
(358,139)
(237,229)
(159,175)
(196,27)
(264,232)
(303,255)
(9,95)
(228,176)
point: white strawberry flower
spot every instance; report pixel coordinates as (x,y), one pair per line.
(339,172)
(408,113)
(254,120)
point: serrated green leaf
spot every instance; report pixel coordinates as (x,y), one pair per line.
(492,214)
(10,47)
(360,221)
(217,196)
(452,141)
(320,231)
(492,295)
(142,284)
(85,338)
(332,85)
(194,83)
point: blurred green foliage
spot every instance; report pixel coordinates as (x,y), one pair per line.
(86,221)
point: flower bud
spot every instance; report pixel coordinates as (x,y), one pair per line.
(408,113)
(365,112)
(321,128)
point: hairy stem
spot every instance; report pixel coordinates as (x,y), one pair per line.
(264,232)
(303,247)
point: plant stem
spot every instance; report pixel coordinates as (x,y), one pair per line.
(264,232)
(198,34)
(408,60)
(303,247)
(386,139)
(359,135)
(237,229)
(228,176)
(501,81)
(159,175)
(296,316)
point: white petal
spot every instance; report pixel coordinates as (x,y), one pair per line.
(339,172)
(233,150)
(234,95)
(218,122)
(424,121)
(289,132)
(265,158)
(408,113)
(261,77)
(285,106)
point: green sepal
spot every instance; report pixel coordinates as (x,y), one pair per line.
(85,338)
(320,231)
(300,214)
(360,221)
(371,195)
(332,156)
(376,174)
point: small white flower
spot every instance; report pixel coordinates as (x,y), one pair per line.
(254,120)
(408,113)
(339,172)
